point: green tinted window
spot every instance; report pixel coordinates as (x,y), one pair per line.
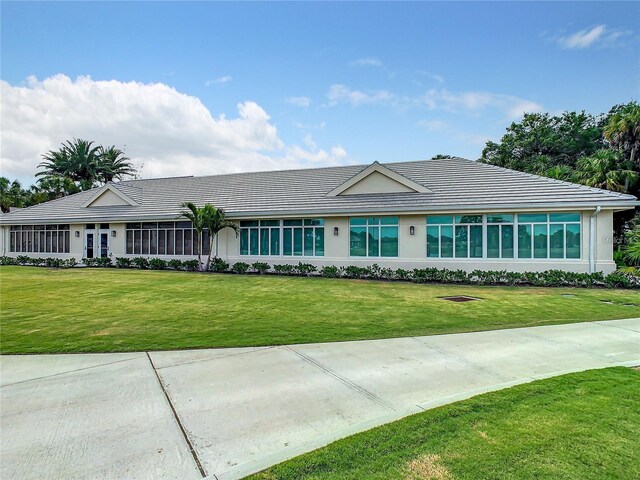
(373,250)
(469,219)
(287,241)
(253,241)
(556,241)
(433,241)
(275,241)
(439,219)
(292,223)
(475,241)
(524,241)
(462,242)
(389,241)
(532,217)
(564,217)
(499,218)
(314,221)
(573,241)
(446,241)
(269,223)
(493,241)
(507,241)
(389,221)
(308,241)
(244,242)
(319,242)
(357,221)
(358,241)
(297,241)
(540,241)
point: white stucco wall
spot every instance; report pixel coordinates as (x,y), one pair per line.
(411,248)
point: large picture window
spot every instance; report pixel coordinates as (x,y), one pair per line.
(524,235)
(500,239)
(39,239)
(552,235)
(164,238)
(295,237)
(373,236)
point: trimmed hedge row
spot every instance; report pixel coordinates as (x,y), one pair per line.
(549,278)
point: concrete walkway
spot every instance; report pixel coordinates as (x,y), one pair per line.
(223,414)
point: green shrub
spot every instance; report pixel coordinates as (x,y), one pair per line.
(240,267)
(304,268)
(402,274)
(331,271)
(621,280)
(191,265)
(23,260)
(352,271)
(4,260)
(175,264)
(218,265)
(260,267)
(285,269)
(140,262)
(123,262)
(70,263)
(53,262)
(89,262)
(104,262)
(157,264)
(37,261)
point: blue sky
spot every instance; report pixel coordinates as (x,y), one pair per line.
(200,88)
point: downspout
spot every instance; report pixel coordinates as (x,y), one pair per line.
(592,239)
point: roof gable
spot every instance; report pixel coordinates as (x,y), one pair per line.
(377,178)
(109,196)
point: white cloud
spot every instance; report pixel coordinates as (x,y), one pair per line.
(474,102)
(511,106)
(433,76)
(343,94)
(299,101)
(367,62)
(170,132)
(583,38)
(218,81)
(600,35)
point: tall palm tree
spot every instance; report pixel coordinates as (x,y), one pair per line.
(604,169)
(78,160)
(623,129)
(197,217)
(216,220)
(114,164)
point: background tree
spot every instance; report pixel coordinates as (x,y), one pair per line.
(558,140)
(622,130)
(114,164)
(604,169)
(440,156)
(85,164)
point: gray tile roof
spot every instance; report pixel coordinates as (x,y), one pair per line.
(455,184)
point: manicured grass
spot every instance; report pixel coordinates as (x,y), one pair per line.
(99,310)
(578,426)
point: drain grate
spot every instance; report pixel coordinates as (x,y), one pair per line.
(460,298)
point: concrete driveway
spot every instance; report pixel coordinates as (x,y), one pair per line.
(229,412)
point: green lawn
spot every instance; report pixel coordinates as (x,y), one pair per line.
(99,310)
(579,426)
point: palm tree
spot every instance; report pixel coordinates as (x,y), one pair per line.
(197,217)
(623,129)
(78,160)
(216,221)
(114,164)
(603,169)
